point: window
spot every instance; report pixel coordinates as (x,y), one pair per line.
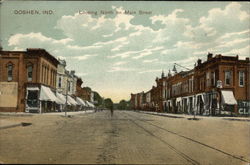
(208,79)
(60,82)
(69,86)
(241,78)
(29,72)
(213,78)
(10,72)
(228,76)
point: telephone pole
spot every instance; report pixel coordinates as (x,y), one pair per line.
(67,87)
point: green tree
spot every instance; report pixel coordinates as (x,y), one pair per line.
(98,99)
(122,105)
(108,103)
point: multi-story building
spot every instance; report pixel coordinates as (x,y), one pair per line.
(220,85)
(28,81)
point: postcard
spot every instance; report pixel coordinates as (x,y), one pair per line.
(124,82)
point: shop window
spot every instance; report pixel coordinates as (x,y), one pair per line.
(228,77)
(241,78)
(10,72)
(32,98)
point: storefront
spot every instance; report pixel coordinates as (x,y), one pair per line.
(61,107)
(228,102)
(41,99)
(81,103)
(72,102)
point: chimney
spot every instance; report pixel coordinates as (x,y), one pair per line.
(72,72)
(209,56)
(199,62)
(237,57)
(247,58)
(162,74)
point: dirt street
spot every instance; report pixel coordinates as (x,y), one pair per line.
(126,138)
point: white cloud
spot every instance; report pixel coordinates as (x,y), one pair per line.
(170,19)
(120,63)
(233,43)
(143,54)
(84,57)
(18,38)
(233,34)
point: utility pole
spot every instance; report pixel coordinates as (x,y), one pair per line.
(66,98)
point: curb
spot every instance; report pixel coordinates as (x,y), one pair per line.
(200,117)
(15,114)
(11,126)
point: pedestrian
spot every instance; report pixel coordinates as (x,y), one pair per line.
(111,111)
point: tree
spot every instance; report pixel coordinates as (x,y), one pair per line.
(98,98)
(123,105)
(108,103)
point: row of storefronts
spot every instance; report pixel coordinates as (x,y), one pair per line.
(35,81)
(218,86)
(43,99)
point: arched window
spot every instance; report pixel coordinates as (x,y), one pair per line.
(29,72)
(10,71)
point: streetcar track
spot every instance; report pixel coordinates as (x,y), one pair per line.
(186,157)
(195,141)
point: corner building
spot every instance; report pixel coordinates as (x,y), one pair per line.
(28,81)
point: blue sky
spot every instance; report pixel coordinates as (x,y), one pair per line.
(118,54)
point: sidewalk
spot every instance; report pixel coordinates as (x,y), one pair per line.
(171,115)
(48,113)
(68,113)
(9,124)
(5,123)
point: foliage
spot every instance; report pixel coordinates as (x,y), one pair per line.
(108,103)
(98,99)
(123,105)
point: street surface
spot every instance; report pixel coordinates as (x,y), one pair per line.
(126,138)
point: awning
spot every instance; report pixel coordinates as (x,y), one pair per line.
(80,101)
(92,105)
(71,100)
(178,99)
(170,102)
(33,88)
(228,97)
(202,96)
(89,104)
(62,98)
(47,95)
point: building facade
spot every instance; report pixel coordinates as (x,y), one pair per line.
(27,80)
(219,85)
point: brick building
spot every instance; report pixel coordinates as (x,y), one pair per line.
(27,81)
(220,85)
